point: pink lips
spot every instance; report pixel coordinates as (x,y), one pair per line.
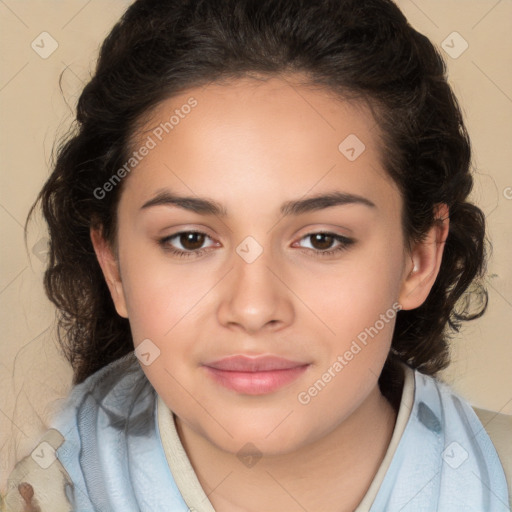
(254,375)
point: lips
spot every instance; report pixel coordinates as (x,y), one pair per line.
(254,375)
(253,364)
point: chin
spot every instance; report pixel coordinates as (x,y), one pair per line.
(270,437)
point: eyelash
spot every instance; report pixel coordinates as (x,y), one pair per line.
(345,243)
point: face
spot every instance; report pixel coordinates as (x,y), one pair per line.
(264,303)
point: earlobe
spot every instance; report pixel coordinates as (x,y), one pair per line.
(425,261)
(110,268)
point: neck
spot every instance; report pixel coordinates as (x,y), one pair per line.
(331,474)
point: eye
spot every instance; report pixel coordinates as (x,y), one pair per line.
(322,243)
(191,241)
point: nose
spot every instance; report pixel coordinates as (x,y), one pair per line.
(255,296)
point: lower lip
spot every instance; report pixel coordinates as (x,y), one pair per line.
(256,383)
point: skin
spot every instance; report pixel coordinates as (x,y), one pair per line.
(252,145)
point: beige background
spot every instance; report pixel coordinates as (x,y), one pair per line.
(32,373)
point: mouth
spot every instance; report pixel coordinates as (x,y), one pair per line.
(254,375)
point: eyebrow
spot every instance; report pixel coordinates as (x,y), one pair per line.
(206,206)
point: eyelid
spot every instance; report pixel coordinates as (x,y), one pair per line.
(166,238)
(336,236)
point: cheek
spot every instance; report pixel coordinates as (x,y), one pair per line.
(160,301)
(159,292)
(352,296)
(361,318)
(158,308)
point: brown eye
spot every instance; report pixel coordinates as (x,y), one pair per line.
(322,241)
(192,241)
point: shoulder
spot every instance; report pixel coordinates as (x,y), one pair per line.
(476,443)
(491,430)
(499,428)
(111,391)
(45,479)
(496,424)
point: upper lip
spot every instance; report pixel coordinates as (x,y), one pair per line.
(240,363)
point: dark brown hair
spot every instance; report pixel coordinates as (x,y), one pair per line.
(360,49)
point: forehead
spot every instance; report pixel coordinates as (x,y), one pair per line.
(249,136)
(259,106)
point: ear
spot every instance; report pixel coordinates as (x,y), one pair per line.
(425,261)
(110,267)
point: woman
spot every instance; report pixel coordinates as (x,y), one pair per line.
(268,202)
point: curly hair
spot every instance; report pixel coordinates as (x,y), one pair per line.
(364,50)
